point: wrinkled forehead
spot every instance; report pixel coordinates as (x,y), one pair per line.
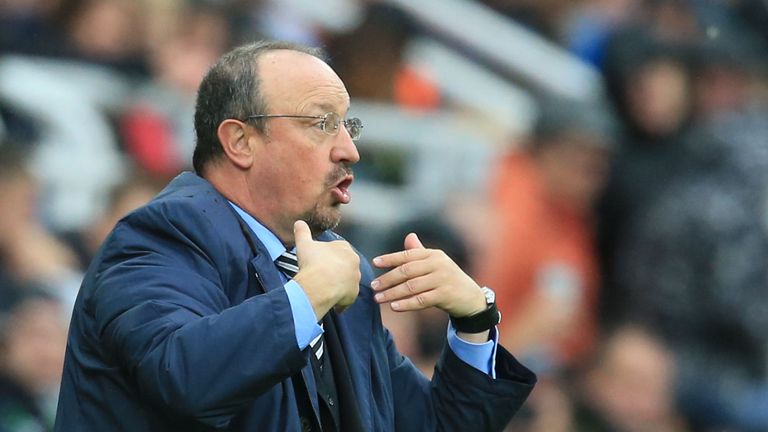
(293,82)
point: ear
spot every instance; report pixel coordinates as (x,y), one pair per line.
(236,141)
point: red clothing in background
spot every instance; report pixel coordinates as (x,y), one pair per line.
(540,248)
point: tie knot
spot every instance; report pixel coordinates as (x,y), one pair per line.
(288,263)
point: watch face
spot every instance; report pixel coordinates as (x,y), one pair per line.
(490,296)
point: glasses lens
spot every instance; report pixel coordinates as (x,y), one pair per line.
(331,123)
(354,127)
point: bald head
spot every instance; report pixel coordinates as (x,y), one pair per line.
(293,82)
(232,90)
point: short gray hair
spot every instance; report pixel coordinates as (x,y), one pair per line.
(230,90)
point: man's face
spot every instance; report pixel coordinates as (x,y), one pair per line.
(301,172)
(35,344)
(575,168)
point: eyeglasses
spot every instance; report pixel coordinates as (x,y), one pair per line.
(329,123)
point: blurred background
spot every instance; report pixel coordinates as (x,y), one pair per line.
(602,164)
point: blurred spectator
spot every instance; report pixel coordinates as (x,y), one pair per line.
(31,27)
(626,385)
(32,341)
(683,233)
(157,127)
(650,84)
(629,386)
(133,193)
(369,60)
(728,65)
(548,409)
(541,260)
(103,32)
(694,268)
(28,253)
(648,81)
(670,20)
(106,32)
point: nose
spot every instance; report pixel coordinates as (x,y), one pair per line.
(345,149)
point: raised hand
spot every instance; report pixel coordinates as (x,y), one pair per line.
(329,272)
(421,278)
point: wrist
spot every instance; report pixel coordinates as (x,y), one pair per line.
(478,304)
(481,305)
(481,321)
(320,299)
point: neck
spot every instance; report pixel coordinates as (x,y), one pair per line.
(233,184)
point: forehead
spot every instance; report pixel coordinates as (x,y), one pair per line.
(295,82)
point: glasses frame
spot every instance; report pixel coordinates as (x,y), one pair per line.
(353,125)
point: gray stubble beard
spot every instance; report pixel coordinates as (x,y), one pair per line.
(319,222)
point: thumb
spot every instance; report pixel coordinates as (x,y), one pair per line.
(302,235)
(412,242)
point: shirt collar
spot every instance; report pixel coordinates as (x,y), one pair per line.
(273,244)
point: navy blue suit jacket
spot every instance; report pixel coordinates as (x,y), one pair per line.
(180,326)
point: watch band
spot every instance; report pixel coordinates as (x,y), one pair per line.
(479,322)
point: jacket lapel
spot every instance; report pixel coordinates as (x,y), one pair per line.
(266,273)
(268,277)
(353,327)
(351,415)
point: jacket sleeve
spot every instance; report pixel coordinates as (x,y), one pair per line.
(161,311)
(459,397)
(467,399)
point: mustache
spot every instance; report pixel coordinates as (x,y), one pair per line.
(338,174)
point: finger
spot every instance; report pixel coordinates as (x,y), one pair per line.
(402,273)
(301,234)
(407,289)
(398,258)
(417,302)
(412,242)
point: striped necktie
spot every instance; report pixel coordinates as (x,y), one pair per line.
(289,264)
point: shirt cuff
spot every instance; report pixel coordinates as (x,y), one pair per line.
(481,356)
(304,319)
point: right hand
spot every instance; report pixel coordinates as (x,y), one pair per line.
(329,272)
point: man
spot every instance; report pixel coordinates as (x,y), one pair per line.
(32,338)
(192,316)
(541,259)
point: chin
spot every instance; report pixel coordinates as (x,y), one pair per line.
(320,220)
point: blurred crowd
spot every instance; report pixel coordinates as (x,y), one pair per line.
(626,238)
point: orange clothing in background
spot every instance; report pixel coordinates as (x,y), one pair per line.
(540,249)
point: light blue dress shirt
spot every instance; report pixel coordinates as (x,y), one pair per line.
(480,356)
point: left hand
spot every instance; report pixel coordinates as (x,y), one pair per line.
(421,278)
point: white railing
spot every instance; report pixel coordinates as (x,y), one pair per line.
(508,45)
(442,154)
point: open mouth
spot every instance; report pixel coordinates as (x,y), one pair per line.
(341,190)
